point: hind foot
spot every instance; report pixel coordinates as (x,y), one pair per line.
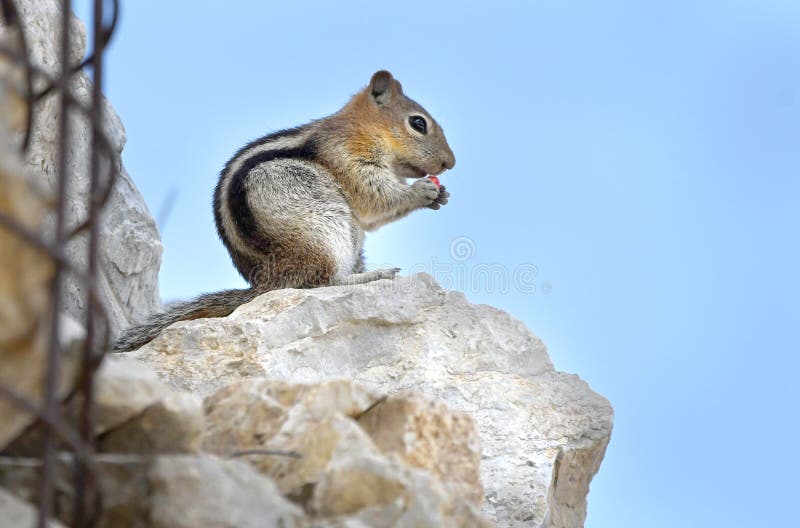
(368,276)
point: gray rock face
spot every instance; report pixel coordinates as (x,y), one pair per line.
(174,424)
(16,512)
(238,496)
(25,307)
(124,389)
(130,253)
(543,433)
(165,491)
(327,454)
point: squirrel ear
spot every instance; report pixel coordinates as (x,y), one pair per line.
(382,86)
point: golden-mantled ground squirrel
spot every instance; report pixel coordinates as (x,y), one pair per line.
(292,207)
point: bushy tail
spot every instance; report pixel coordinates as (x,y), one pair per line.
(217,304)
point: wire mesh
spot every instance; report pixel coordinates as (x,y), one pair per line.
(61,432)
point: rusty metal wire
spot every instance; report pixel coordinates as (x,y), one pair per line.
(78,437)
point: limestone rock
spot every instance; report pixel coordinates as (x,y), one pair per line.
(407,327)
(333,468)
(12,85)
(342,474)
(25,277)
(426,434)
(173,424)
(124,388)
(241,417)
(164,492)
(246,415)
(359,483)
(130,252)
(189,492)
(128,395)
(543,433)
(16,512)
(20,477)
(25,313)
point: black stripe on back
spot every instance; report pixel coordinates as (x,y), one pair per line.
(237,201)
(239,208)
(281,134)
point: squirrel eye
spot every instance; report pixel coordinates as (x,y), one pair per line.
(418,123)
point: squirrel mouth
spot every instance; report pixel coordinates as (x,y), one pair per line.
(414,171)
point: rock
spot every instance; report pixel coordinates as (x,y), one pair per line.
(127,285)
(341,473)
(134,412)
(173,424)
(25,277)
(333,468)
(130,251)
(207,491)
(241,417)
(319,443)
(124,389)
(407,327)
(12,86)
(25,315)
(16,512)
(426,434)
(246,415)
(164,492)
(20,477)
(574,469)
(534,421)
(360,483)
(535,424)
(381,493)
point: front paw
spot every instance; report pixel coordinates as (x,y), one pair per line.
(441,199)
(429,194)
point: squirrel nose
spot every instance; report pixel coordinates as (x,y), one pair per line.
(449,161)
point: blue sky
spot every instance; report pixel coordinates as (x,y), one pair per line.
(643,158)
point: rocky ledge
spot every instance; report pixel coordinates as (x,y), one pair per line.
(389,405)
(541,434)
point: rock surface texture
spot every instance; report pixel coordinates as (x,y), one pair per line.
(303,458)
(16,512)
(542,433)
(166,491)
(26,275)
(130,253)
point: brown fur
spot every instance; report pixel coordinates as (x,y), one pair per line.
(294,265)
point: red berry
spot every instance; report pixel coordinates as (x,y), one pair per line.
(435,180)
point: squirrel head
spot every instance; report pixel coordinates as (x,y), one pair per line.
(409,140)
